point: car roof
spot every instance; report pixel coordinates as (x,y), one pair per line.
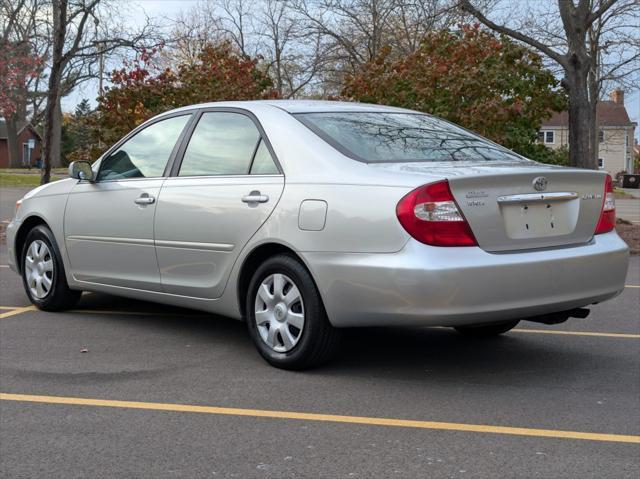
(298,106)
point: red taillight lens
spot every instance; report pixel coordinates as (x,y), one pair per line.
(607,221)
(430,214)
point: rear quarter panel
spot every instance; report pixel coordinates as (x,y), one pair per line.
(360,219)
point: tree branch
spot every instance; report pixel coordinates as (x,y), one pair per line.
(559,58)
(606,5)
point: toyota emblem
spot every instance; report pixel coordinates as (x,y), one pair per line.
(540,183)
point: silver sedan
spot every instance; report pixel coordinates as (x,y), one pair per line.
(304,218)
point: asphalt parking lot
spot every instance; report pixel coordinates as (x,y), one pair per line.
(167,392)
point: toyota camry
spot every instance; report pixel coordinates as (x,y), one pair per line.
(304,218)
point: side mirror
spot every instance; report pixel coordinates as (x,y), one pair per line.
(81,170)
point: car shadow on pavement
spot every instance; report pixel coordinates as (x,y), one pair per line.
(419,354)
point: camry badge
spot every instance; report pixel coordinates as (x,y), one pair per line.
(540,183)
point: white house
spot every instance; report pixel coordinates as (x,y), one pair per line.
(615,134)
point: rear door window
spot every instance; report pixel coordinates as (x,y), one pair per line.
(223,143)
(263,163)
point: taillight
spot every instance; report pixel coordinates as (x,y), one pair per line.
(430,214)
(607,221)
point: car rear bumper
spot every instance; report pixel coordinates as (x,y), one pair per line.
(425,285)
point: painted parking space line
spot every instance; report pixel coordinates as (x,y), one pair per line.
(4,265)
(16,311)
(134,313)
(632,285)
(576,333)
(329,418)
(114,311)
(13,310)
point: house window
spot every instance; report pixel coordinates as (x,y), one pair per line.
(601,136)
(541,136)
(626,140)
(548,137)
(601,163)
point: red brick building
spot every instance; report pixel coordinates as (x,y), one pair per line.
(29,145)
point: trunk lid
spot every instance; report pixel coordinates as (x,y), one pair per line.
(519,207)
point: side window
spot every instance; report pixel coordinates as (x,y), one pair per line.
(222,144)
(146,154)
(263,163)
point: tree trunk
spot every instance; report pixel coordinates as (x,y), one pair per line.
(53,95)
(580,123)
(56,144)
(594,135)
(12,141)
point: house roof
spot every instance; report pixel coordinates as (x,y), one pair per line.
(21,126)
(609,113)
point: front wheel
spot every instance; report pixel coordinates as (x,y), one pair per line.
(43,273)
(488,330)
(286,318)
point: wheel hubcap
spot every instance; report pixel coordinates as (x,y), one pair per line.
(38,269)
(279,312)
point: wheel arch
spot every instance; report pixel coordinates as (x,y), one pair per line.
(254,259)
(27,225)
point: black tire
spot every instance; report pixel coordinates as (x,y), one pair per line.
(318,341)
(59,296)
(487,330)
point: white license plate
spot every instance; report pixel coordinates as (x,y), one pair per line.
(540,219)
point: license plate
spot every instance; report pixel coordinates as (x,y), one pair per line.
(540,219)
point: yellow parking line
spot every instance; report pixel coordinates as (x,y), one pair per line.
(632,285)
(331,418)
(17,311)
(577,333)
(100,311)
(134,313)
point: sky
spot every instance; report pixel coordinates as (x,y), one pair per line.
(165,10)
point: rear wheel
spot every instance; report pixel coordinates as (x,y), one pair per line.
(43,273)
(286,318)
(487,330)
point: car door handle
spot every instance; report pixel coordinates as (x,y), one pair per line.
(144,200)
(255,197)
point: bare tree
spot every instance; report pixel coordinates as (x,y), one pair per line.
(268,30)
(292,56)
(412,21)
(192,31)
(82,31)
(594,42)
(355,32)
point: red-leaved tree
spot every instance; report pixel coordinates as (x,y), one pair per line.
(140,90)
(17,66)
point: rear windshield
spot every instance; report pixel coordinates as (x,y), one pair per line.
(402,137)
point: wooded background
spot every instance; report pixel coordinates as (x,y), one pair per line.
(497,67)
